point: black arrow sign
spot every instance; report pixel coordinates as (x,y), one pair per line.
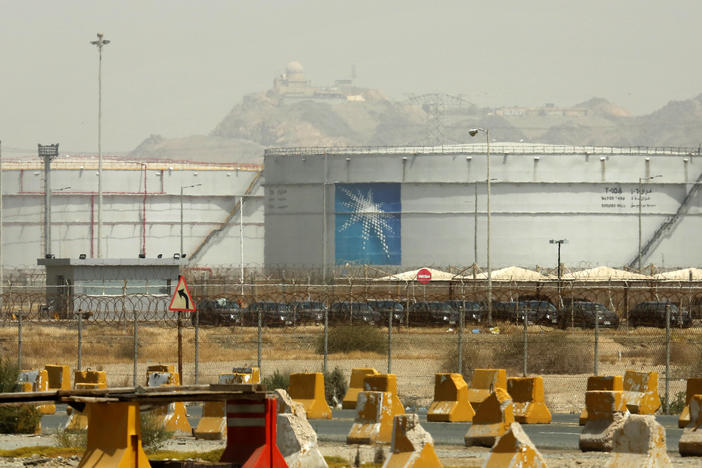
(181,293)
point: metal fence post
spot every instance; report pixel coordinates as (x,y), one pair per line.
(326,339)
(260,325)
(19,339)
(667,357)
(136,347)
(461,325)
(597,341)
(80,339)
(197,346)
(180,347)
(390,341)
(526,343)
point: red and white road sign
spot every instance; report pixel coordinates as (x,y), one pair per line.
(424,276)
(181,301)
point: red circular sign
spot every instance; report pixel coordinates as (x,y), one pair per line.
(424,276)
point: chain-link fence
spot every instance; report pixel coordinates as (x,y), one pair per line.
(564,331)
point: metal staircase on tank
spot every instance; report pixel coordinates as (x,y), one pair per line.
(237,206)
(668,224)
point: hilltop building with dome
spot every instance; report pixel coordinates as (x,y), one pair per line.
(293,85)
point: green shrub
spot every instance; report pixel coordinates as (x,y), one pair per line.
(676,405)
(15,419)
(153,434)
(334,386)
(71,439)
(548,353)
(347,338)
(8,376)
(277,380)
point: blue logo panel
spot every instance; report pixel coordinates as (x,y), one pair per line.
(368,224)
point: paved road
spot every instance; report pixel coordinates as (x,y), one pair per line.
(562,433)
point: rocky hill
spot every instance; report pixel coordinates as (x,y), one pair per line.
(347,115)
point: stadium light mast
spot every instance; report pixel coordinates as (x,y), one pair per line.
(473,132)
(100,43)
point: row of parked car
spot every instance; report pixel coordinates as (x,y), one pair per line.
(575,313)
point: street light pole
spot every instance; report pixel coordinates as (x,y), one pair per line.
(641,181)
(181,214)
(99,44)
(472,132)
(241,240)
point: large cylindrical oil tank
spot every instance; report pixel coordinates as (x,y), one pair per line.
(410,207)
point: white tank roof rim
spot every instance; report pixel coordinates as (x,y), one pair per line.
(481,148)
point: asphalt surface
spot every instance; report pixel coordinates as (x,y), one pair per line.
(562,433)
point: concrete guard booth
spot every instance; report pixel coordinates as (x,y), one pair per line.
(89,284)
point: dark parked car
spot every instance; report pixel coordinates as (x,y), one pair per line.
(353,312)
(273,314)
(218,312)
(652,314)
(385,307)
(582,314)
(537,312)
(432,313)
(308,311)
(505,310)
(474,311)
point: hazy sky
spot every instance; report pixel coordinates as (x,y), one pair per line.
(176,68)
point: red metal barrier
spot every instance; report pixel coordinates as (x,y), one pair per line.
(251,434)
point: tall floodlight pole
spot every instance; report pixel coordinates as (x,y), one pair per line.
(641,181)
(1,237)
(47,153)
(324,222)
(241,241)
(99,44)
(473,132)
(181,215)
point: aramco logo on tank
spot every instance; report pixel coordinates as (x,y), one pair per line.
(368,224)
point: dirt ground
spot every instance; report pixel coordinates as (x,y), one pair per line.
(453,456)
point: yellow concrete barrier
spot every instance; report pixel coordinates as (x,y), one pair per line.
(594,382)
(356,385)
(694,387)
(483,383)
(492,419)
(87,379)
(385,383)
(172,416)
(515,449)
(115,438)
(528,399)
(607,413)
(241,375)
(213,423)
(374,419)
(36,380)
(412,446)
(639,443)
(691,439)
(59,377)
(641,392)
(450,400)
(308,388)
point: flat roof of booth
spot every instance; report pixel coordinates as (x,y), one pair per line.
(111,262)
